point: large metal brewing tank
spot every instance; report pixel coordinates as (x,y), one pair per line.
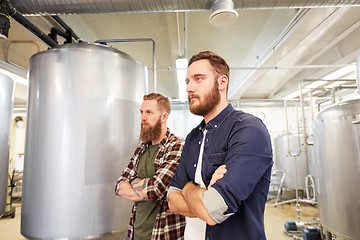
(6,104)
(336,135)
(295,167)
(83,126)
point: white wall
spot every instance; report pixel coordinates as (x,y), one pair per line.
(181,122)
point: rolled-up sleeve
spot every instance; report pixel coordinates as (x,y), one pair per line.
(215,205)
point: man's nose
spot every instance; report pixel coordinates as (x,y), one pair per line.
(190,87)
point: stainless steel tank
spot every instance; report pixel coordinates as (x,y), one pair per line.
(6,104)
(295,167)
(336,135)
(83,126)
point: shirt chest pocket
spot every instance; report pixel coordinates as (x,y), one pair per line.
(211,163)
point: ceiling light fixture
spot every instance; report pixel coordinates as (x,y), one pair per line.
(296,94)
(316,84)
(223,13)
(181,66)
(341,73)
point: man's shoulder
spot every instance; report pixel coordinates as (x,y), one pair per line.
(173,139)
(243,121)
(241,116)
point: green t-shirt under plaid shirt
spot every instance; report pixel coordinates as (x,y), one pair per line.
(168,226)
(146,211)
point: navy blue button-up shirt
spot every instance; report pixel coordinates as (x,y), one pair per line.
(241,141)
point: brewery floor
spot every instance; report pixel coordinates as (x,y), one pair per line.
(275,218)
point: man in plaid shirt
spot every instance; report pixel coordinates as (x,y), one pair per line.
(146,179)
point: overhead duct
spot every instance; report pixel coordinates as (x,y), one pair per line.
(223,13)
(44,7)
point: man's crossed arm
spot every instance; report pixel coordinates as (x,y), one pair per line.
(133,191)
(188,201)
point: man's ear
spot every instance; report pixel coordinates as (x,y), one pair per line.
(223,82)
(164,116)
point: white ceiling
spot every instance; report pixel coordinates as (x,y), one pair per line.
(268,50)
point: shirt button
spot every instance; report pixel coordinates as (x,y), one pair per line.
(199,142)
(195,165)
(207,140)
(215,126)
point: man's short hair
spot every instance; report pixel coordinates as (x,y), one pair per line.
(218,63)
(162,101)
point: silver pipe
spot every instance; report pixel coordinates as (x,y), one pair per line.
(333,90)
(358,72)
(137,40)
(291,201)
(45,7)
(281,183)
(311,106)
(336,88)
(312,185)
(288,132)
(322,103)
(293,154)
(280,68)
(185,34)
(306,137)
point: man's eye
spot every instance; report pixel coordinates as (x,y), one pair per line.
(198,79)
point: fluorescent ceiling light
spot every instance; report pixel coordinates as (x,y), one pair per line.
(292,95)
(340,73)
(296,94)
(305,90)
(316,84)
(15,77)
(344,72)
(336,84)
(181,66)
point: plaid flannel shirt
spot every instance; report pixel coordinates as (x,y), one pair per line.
(168,226)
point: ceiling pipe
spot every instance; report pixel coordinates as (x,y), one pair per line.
(46,7)
(7,10)
(35,30)
(68,30)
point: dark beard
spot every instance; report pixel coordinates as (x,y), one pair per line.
(209,102)
(151,133)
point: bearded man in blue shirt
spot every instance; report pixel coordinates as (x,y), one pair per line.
(223,178)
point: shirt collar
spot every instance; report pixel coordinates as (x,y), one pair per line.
(218,120)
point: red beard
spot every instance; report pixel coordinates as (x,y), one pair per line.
(151,133)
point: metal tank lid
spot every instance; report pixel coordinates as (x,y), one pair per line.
(87,46)
(348,107)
